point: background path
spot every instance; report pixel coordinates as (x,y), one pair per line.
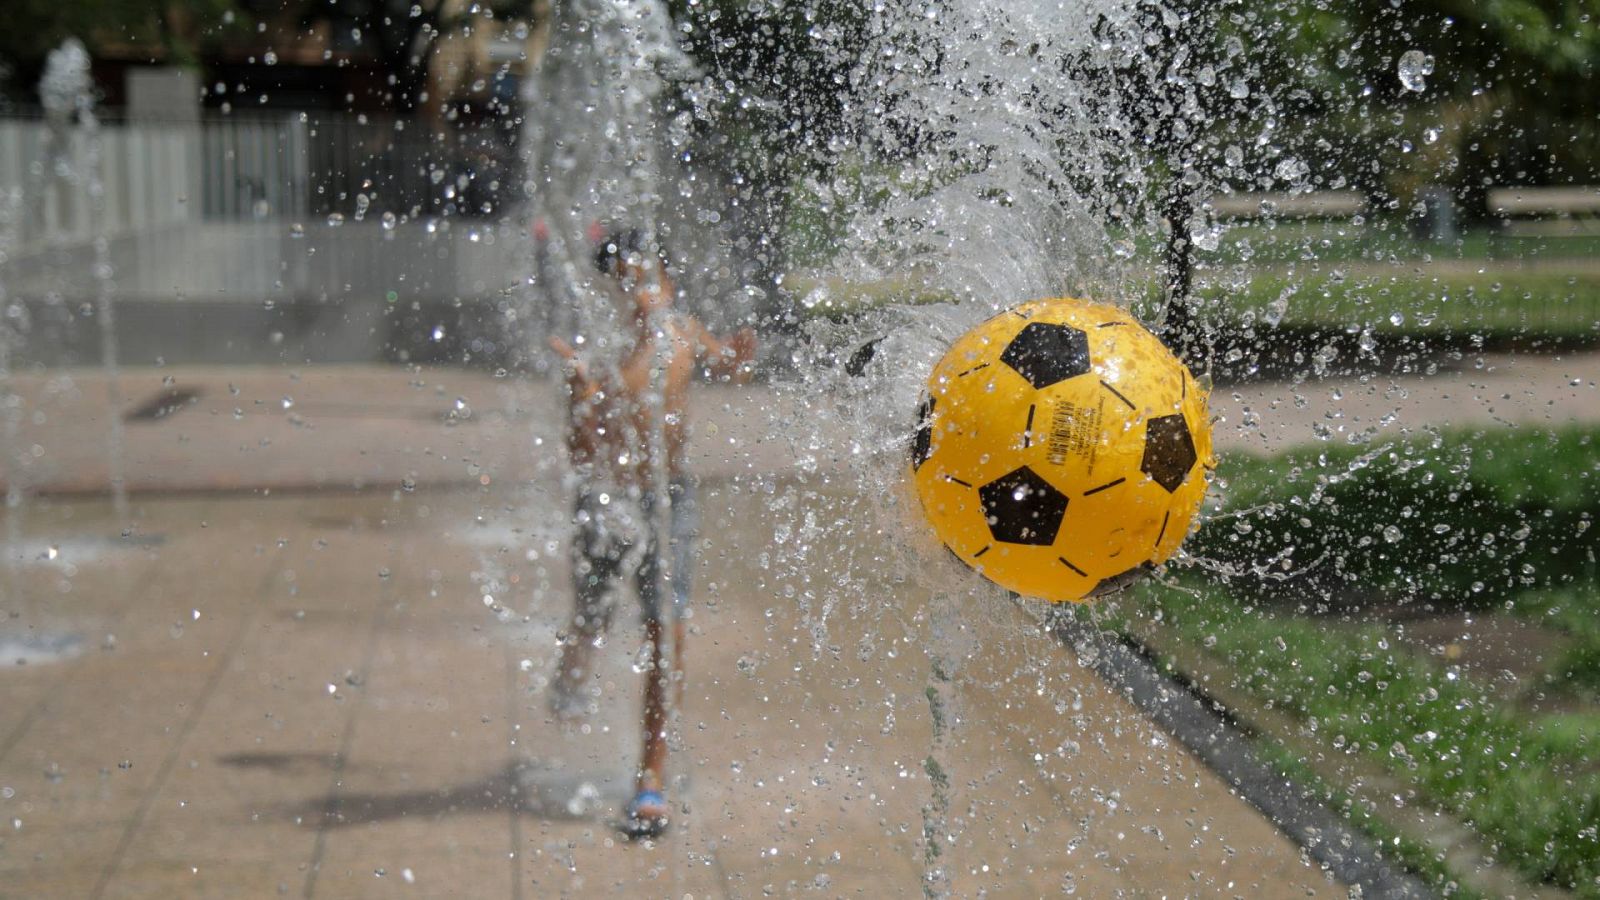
(369,427)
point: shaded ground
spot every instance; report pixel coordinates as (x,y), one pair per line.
(306,695)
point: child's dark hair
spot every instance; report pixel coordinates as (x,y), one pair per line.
(616,246)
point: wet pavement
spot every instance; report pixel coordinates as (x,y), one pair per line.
(285,677)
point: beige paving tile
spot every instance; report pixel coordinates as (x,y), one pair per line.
(1132,805)
(80,597)
(85,588)
(135,700)
(799,766)
(202,877)
(591,858)
(1045,797)
(133,725)
(198,853)
(30,884)
(24,694)
(41,849)
(465,855)
(265,750)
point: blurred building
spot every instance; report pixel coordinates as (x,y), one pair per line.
(313,186)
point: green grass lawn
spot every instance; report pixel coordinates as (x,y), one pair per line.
(1514,303)
(1496,522)
(1341,240)
(1363,283)
(1504,301)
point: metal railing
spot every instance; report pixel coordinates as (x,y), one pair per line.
(234,168)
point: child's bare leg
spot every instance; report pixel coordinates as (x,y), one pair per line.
(653,760)
(647,813)
(685,528)
(678,679)
(577,652)
(570,695)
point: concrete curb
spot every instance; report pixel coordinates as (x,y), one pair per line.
(1348,855)
(1468,860)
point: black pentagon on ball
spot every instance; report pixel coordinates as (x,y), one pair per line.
(1168,451)
(922,439)
(1045,354)
(1023,508)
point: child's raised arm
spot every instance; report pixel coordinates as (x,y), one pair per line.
(726,359)
(579,384)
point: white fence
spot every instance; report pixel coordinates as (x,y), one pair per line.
(280,207)
(274,261)
(238,238)
(150,178)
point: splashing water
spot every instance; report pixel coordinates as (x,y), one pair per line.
(13,330)
(1414,68)
(987,172)
(595,159)
(980,164)
(68,96)
(989,168)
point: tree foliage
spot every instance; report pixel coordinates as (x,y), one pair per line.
(1511,98)
(775,81)
(177,30)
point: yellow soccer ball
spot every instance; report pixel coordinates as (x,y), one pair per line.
(1061,450)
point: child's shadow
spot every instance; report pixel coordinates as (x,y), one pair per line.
(540,790)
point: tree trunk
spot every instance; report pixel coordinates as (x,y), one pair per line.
(1181,331)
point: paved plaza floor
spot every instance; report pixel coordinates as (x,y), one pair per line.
(310,659)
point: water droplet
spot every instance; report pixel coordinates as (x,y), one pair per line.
(1292,170)
(1414,69)
(1391,534)
(335,220)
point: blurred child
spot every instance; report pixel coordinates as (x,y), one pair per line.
(621,421)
